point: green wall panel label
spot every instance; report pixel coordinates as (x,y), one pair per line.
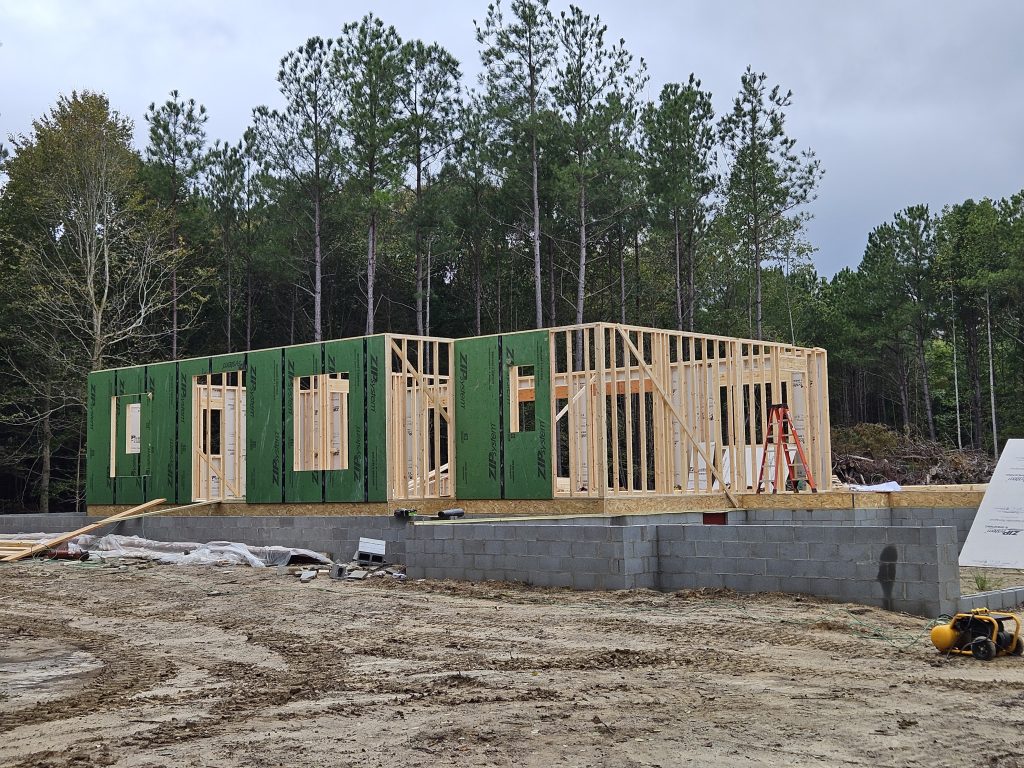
(99,487)
(378,366)
(162,482)
(187,370)
(263,436)
(477,425)
(228,363)
(527,453)
(303,360)
(349,484)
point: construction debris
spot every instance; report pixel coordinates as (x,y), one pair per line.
(866,454)
(111,548)
(39,548)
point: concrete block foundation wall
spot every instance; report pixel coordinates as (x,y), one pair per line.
(57,522)
(905,569)
(913,570)
(959,518)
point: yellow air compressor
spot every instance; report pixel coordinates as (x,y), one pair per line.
(982,633)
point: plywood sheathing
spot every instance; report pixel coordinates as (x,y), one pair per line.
(943,499)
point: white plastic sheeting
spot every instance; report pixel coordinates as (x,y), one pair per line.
(179,552)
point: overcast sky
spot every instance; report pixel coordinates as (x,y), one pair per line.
(904,102)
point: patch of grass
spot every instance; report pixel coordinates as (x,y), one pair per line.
(983,582)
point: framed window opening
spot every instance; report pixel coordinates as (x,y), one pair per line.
(320,438)
(522,399)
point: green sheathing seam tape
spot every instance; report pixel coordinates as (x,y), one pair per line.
(477,426)
(527,455)
(377,367)
(99,486)
(163,408)
(348,484)
(187,371)
(308,486)
(264,440)
(130,469)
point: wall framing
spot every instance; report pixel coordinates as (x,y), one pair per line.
(598,411)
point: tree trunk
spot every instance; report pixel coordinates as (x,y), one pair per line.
(678,271)
(427,323)
(581,280)
(371,271)
(925,388)
(991,377)
(536,234)
(622,280)
(227,261)
(902,371)
(248,305)
(317,270)
(691,289)
(552,307)
(974,375)
(478,288)
(636,269)
(757,288)
(174,314)
(46,441)
(419,254)
(79,494)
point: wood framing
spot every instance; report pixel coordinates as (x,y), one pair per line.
(218,436)
(639,411)
(321,422)
(586,412)
(420,424)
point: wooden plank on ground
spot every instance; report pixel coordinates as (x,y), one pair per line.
(65,537)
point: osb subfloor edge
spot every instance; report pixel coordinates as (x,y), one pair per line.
(946,497)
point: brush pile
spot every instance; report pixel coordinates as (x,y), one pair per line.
(873,453)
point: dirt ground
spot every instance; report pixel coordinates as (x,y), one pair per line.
(193,666)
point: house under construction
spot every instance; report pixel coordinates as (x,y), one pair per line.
(604,417)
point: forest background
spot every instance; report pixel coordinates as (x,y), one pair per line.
(386,194)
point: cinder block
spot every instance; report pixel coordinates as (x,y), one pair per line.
(797,585)
(779,533)
(798,550)
(484,562)
(750,533)
(554,579)
(921,591)
(919,553)
(903,535)
(582,580)
(706,580)
(791,568)
(709,549)
(493,547)
(823,551)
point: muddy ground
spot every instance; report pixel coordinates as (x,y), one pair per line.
(180,666)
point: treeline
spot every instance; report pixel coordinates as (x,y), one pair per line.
(382,194)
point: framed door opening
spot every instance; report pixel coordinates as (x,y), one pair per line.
(218,436)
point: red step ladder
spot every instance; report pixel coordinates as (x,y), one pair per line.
(778,438)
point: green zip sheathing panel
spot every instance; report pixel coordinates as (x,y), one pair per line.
(187,371)
(263,436)
(304,360)
(378,363)
(349,484)
(527,453)
(478,418)
(163,408)
(130,469)
(99,487)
